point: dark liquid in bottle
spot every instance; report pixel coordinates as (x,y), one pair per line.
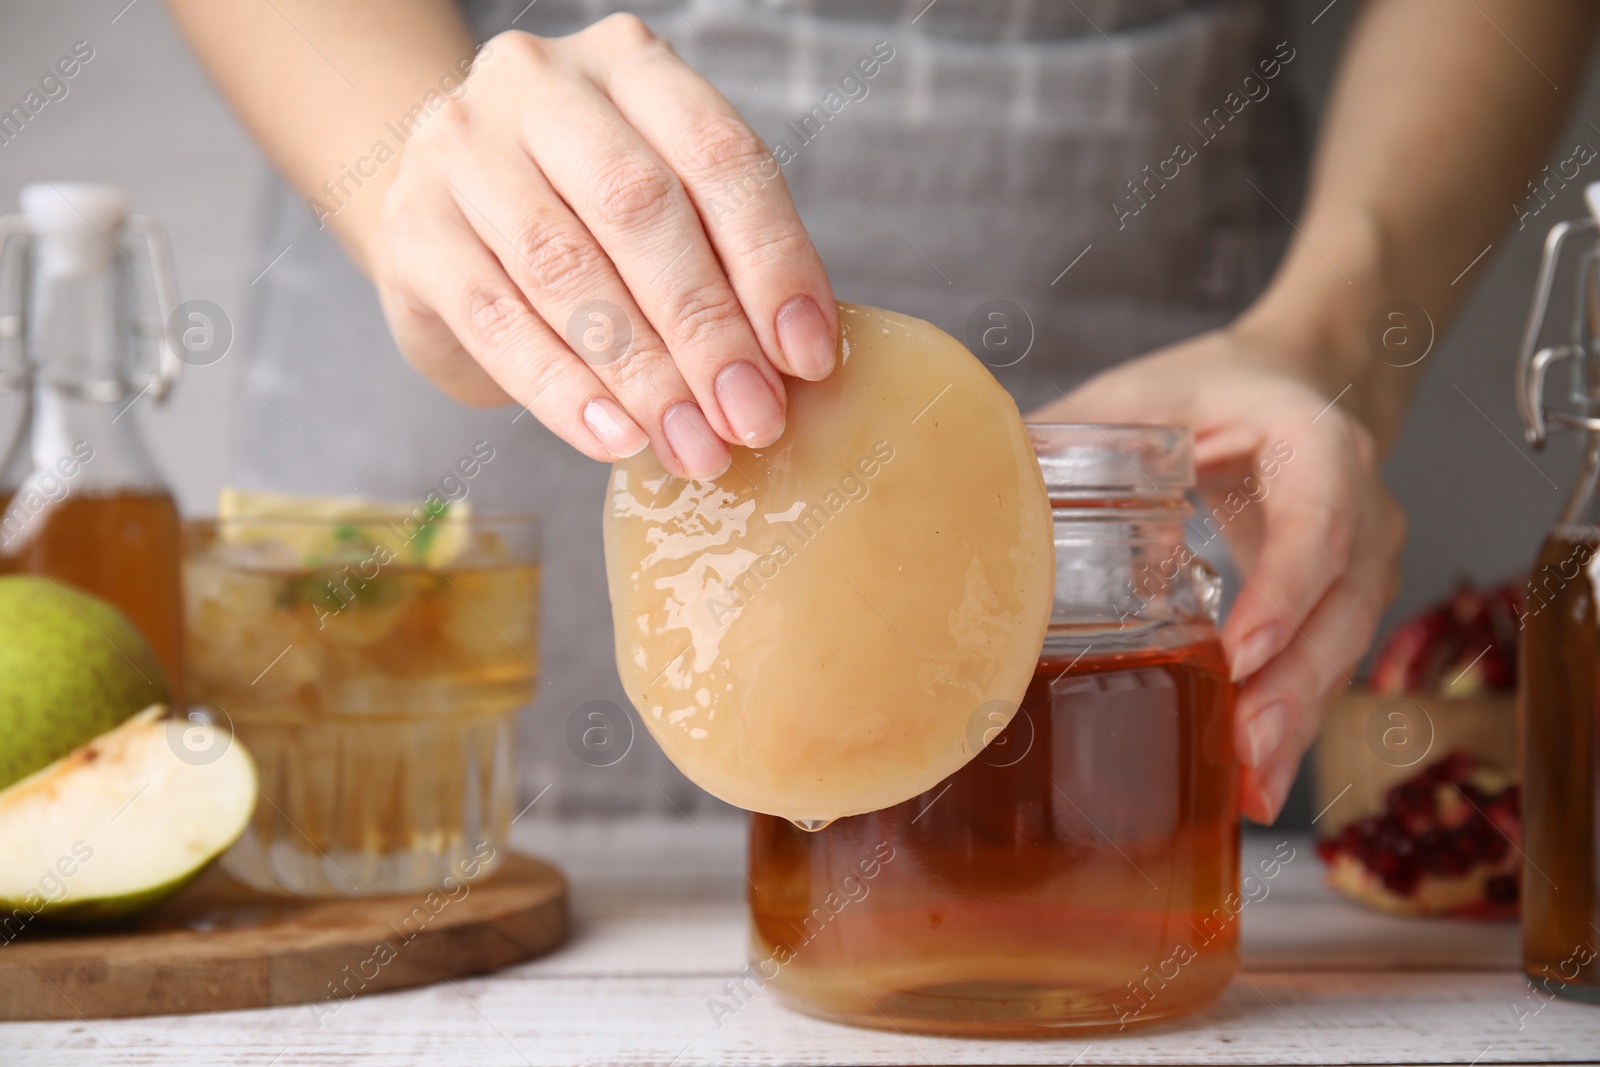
(1078,872)
(1560,713)
(122,547)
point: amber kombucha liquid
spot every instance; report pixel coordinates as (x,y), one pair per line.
(1560,713)
(1077,873)
(123,547)
(380,714)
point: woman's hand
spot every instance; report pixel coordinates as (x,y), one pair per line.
(589,229)
(1309,521)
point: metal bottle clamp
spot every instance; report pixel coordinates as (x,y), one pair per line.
(146,327)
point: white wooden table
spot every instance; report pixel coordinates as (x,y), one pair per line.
(659,926)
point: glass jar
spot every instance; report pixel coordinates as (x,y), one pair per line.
(1082,870)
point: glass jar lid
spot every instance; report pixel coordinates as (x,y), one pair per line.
(1109,462)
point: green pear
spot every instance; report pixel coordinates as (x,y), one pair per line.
(71,668)
(122,822)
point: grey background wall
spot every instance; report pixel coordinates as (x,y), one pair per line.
(142,115)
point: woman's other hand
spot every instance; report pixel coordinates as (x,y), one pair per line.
(1291,480)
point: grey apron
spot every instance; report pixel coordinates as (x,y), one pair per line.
(1018,150)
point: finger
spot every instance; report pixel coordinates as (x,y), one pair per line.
(1280,709)
(421,335)
(1262,792)
(1229,505)
(634,205)
(1306,537)
(1277,711)
(430,347)
(451,272)
(573,286)
(738,189)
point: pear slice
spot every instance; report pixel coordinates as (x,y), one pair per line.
(122,822)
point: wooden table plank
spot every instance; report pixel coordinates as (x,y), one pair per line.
(659,926)
(1334,1017)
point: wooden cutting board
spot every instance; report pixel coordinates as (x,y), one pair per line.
(219,945)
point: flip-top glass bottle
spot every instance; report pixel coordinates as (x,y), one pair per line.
(1558,705)
(81,499)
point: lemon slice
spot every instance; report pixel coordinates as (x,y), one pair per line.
(331,529)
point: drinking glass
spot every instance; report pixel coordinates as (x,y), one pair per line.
(373,668)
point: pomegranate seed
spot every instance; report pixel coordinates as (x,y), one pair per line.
(1402,880)
(1502,889)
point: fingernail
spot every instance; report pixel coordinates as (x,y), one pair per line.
(805,338)
(620,434)
(700,452)
(1255,650)
(748,404)
(1273,788)
(1266,731)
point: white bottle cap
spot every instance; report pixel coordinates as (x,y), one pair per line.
(1591,196)
(75,224)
